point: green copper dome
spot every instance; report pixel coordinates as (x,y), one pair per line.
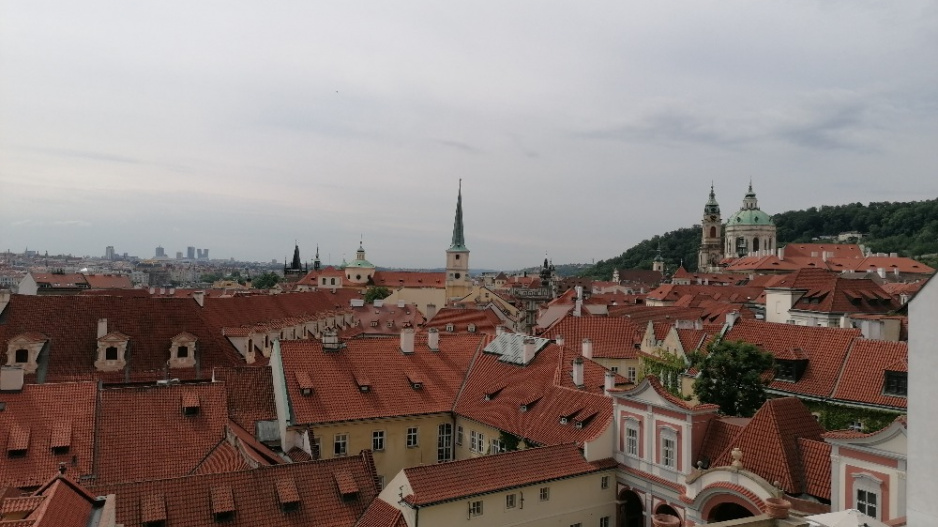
(749,217)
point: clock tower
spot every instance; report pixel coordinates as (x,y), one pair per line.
(458,284)
(711,238)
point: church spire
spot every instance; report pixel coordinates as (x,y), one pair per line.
(459,239)
(297,264)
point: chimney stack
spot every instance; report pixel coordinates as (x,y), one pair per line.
(433,339)
(401,303)
(578,372)
(527,350)
(578,305)
(609,382)
(407,341)
(559,340)
(881,271)
(199,297)
(11,378)
(102,327)
(587,348)
(431,311)
(731,318)
(499,329)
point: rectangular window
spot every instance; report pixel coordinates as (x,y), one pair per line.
(459,435)
(444,443)
(576,524)
(22,356)
(667,452)
(614,369)
(866,503)
(340,445)
(511,500)
(475,508)
(110,353)
(631,374)
(545,493)
(377,440)
(604,521)
(182,352)
(380,483)
(481,448)
(412,437)
(897,383)
(497,446)
(604,482)
(631,441)
(473,440)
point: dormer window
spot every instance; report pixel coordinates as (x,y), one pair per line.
(896,383)
(112,349)
(22,356)
(450,328)
(23,350)
(110,353)
(472,328)
(190,404)
(790,370)
(182,350)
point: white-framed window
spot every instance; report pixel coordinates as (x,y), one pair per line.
(604,521)
(614,369)
(444,442)
(511,501)
(631,374)
(669,448)
(631,437)
(459,435)
(380,482)
(497,446)
(475,508)
(340,445)
(473,440)
(377,440)
(412,437)
(544,493)
(604,482)
(868,490)
(481,447)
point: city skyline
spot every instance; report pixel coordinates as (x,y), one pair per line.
(578,132)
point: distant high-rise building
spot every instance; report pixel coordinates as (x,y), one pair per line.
(205,254)
(160,252)
(179,255)
(109,252)
(190,253)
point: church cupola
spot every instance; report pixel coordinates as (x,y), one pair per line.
(712,207)
(711,236)
(750,202)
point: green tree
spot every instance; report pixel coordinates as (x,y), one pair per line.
(732,375)
(265,281)
(376,293)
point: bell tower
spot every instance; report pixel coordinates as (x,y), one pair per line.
(711,238)
(458,284)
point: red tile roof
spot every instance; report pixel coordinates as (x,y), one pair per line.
(719,437)
(143,433)
(612,338)
(769,443)
(254,495)
(58,503)
(43,414)
(388,319)
(381,514)
(825,348)
(816,250)
(483,320)
(816,457)
(412,279)
(108,281)
(378,362)
(250,394)
(863,378)
(470,477)
(827,292)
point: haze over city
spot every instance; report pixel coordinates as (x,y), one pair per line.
(577,130)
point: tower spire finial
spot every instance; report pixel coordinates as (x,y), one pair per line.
(459,238)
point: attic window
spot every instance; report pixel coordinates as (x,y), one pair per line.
(364,384)
(790,370)
(472,328)
(22,356)
(896,383)
(583,420)
(287,494)
(190,403)
(182,352)
(223,505)
(305,383)
(374,323)
(61,438)
(153,510)
(493,393)
(529,404)
(18,441)
(415,379)
(110,353)
(346,483)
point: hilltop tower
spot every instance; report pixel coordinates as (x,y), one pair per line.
(458,284)
(711,236)
(658,263)
(750,231)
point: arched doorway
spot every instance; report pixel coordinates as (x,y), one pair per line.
(631,512)
(728,511)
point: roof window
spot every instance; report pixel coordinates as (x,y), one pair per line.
(305,383)
(153,510)
(896,383)
(223,505)
(190,403)
(287,494)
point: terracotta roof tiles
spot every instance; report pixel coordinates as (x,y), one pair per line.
(863,379)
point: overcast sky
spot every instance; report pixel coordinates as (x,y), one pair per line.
(578,128)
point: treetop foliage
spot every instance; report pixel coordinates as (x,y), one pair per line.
(732,375)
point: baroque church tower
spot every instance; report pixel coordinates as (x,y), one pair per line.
(458,284)
(711,237)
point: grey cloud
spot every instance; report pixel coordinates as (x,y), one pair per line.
(458,145)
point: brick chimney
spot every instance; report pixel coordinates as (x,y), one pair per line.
(609,382)
(578,372)
(407,341)
(587,349)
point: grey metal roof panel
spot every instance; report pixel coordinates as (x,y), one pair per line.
(510,347)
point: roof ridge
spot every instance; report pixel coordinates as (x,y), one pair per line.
(843,366)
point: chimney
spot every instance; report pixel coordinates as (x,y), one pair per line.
(407,341)
(11,378)
(431,311)
(781,253)
(578,305)
(330,340)
(893,255)
(527,352)
(401,303)
(609,382)
(4,300)
(152,290)
(499,329)
(587,348)
(379,302)
(199,297)
(102,327)
(433,339)
(731,318)
(578,372)
(559,340)
(881,271)
(894,271)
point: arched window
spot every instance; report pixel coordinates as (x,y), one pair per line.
(713,232)
(755,244)
(333,281)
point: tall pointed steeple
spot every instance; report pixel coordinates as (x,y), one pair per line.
(316,263)
(297,263)
(459,238)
